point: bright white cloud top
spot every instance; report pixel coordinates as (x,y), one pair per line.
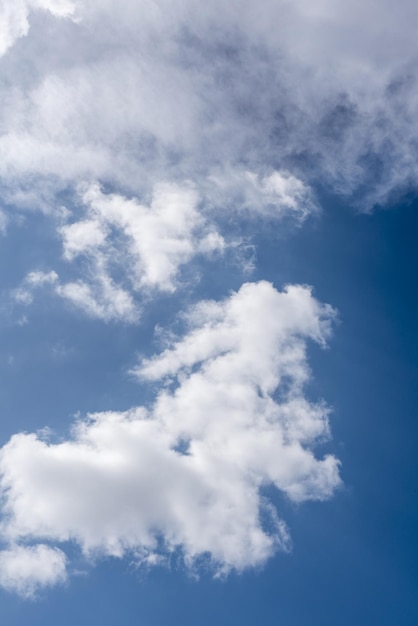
(187,473)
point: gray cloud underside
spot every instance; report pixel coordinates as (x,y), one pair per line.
(169,91)
(247,105)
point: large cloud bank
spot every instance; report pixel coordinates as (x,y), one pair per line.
(140,93)
(185,474)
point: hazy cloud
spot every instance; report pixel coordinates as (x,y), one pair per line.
(246,86)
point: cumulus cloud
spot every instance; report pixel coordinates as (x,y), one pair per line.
(187,473)
(28,569)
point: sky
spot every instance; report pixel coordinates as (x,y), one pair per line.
(208,381)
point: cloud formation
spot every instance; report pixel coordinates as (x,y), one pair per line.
(173,91)
(159,124)
(159,238)
(129,250)
(26,570)
(186,474)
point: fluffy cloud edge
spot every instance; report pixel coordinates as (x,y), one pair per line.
(187,473)
(27,570)
(121,251)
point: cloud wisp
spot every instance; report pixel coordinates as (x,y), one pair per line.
(129,251)
(185,475)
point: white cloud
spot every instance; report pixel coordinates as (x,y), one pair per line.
(38,278)
(33,281)
(261,86)
(275,195)
(28,569)
(14,22)
(102,299)
(4,220)
(159,238)
(130,250)
(187,472)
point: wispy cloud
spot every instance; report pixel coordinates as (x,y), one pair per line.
(130,250)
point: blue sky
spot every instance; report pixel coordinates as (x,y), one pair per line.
(209,362)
